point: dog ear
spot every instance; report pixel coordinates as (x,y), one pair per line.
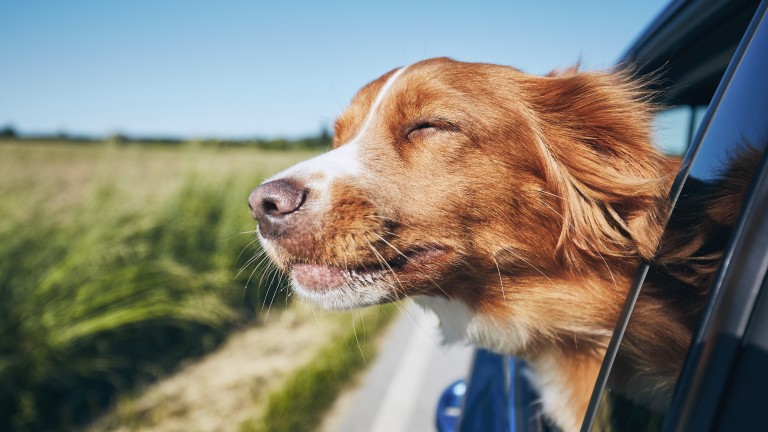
(594,132)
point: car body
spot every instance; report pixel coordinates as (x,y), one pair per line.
(712,57)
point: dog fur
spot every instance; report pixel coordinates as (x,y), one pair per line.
(516,207)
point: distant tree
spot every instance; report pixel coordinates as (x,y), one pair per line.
(325,138)
(8,132)
(117,138)
(322,140)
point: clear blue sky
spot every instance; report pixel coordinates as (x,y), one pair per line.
(266,68)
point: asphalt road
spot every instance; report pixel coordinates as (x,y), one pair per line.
(400,391)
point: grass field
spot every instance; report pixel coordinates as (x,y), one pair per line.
(117,262)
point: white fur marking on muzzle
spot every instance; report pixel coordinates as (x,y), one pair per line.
(342,161)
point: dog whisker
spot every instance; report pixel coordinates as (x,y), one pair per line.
(521,258)
(407,258)
(275,278)
(503,294)
(385,264)
(265,283)
(251,243)
(264,259)
(395,298)
(392,247)
(249,262)
(359,347)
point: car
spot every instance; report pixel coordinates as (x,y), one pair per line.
(711,58)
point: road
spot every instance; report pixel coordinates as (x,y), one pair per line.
(399,392)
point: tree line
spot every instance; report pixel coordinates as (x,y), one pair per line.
(321,140)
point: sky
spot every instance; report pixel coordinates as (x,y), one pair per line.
(239,69)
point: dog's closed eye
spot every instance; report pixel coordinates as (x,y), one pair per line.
(420,129)
(424,128)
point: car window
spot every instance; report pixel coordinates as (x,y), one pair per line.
(674,128)
(674,288)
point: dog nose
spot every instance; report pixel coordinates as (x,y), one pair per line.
(272,203)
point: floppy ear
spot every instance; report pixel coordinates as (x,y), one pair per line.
(594,133)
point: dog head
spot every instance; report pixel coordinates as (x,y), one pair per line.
(471,182)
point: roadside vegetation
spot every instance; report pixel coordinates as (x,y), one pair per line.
(299,403)
(281,375)
(117,263)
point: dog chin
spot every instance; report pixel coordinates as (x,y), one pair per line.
(349,296)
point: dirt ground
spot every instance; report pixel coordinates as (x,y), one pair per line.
(226,387)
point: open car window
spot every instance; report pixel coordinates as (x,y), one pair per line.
(715,182)
(674,128)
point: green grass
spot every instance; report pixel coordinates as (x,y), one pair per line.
(116,264)
(299,404)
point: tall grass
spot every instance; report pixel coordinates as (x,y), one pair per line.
(119,286)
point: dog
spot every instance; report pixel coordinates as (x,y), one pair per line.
(516,207)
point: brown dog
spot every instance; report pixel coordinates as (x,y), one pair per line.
(516,207)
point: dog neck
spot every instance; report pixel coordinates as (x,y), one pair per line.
(563,373)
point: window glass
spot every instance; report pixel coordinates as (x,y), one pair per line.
(670,129)
(673,128)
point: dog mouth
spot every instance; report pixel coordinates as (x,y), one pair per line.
(405,267)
